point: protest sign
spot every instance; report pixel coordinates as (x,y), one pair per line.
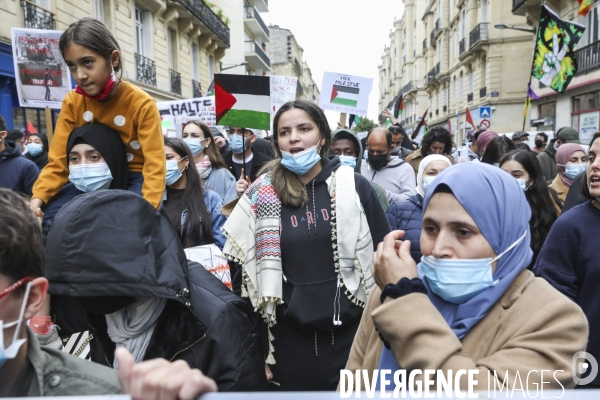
(345,93)
(283,89)
(42,76)
(175,113)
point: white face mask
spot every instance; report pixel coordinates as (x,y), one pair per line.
(11,351)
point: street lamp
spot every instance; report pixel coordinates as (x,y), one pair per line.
(503,26)
(233,66)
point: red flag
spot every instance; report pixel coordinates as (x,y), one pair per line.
(398,107)
(470,119)
(30,129)
(584,6)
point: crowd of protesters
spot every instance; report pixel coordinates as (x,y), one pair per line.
(373,254)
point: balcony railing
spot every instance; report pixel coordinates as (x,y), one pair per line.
(35,17)
(253,47)
(208,18)
(196,88)
(461,46)
(482,92)
(175,82)
(145,70)
(425,44)
(470,97)
(435,71)
(516,4)
(478,34)
(251,12)
(588,58)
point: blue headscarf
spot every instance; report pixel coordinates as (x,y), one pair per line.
(498,206)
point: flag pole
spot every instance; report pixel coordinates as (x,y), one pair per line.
(535,42)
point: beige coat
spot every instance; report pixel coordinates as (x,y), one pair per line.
(561,190)
(415,158)
(531,327)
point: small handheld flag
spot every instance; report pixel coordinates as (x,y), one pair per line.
(243,101)
(469,119)
(399,106)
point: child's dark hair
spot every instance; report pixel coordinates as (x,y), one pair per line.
(94,35)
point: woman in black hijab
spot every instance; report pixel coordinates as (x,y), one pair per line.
(37,149)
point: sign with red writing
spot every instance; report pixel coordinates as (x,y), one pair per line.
(41,73)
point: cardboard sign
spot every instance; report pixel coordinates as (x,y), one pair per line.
(345,93)
(175,113)
(283,89)
(42,76)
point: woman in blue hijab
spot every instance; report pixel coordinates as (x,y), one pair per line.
(471,304)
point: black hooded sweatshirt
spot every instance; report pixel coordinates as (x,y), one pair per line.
(113,244)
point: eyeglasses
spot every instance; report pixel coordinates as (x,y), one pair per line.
(14,286)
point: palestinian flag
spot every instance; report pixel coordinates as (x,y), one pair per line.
(243,100)
(344,95)
(554,63)
(398,107)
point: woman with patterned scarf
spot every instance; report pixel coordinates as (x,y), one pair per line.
(304,235)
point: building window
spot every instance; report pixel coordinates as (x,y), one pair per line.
(445,97)
(463,24)
(172,48)
(454,90)
(195,62)
(139,32)
(470,82)
(460,88)
(99,10)
(211,67)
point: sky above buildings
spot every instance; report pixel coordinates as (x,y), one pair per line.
(343,36)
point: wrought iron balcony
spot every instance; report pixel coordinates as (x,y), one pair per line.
(35,17)
(588,58)
(482,92)
(175,81)
(478,34)
(208,18)
(256,24)
(461,47)
(145,70)
(470,97)
(435,71)
(196,88)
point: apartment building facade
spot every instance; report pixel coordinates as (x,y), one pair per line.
(456,59)
(579,105)
(169,48)
(250,37)
(287,59)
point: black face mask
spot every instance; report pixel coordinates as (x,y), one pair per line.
(377,162)
(102,305)
(538,143)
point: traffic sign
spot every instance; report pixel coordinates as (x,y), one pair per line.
(485,124)
(485,112)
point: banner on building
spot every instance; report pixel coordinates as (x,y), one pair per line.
(283,89)
(554,62)
(345,93)
(176,113)
(42,77)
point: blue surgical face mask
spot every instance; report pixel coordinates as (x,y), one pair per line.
(195,145)
(11,351)
(301,163)
(347,160)
(365,154)
(427,180)
(523,184)
(572,170)
(34,149)
(236,142)
(459,280)
(173,172)
(90,177)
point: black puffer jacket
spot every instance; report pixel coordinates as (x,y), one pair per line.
(114,243)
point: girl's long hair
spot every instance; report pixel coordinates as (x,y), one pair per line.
(197,223)
(287,185)
(211,151)
(543,213)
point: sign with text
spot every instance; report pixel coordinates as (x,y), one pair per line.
(345,93)
(41,74)
(283,89)
(175,113)
(588,125)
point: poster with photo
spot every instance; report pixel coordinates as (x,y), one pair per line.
(42,77)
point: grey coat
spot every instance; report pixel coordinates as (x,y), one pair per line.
(548,162)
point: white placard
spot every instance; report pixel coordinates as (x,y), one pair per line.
(345,93)
(283,89)
(588,125)
(41,73)
(177,112)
